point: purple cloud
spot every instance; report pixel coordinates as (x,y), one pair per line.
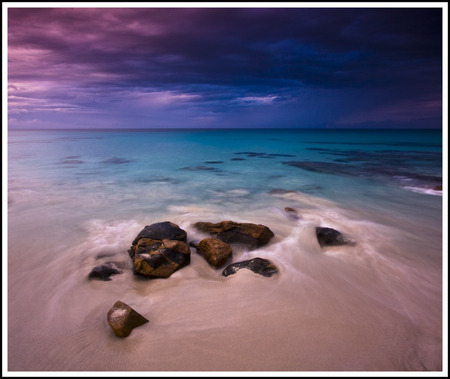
(109,67)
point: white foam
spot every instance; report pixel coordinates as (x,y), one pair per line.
(426,191)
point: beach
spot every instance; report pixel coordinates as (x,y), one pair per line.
(78,198)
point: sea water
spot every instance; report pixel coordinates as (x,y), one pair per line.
(77,199)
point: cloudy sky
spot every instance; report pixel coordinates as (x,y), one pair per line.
(226,67)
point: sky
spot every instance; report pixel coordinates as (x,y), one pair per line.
(241,66)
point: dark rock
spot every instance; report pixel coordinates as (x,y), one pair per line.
(248,234)
(215,251)
(123,319)
(159,250)
(162,231)
(258,265)
(104,271)
(438,187)
(330,237)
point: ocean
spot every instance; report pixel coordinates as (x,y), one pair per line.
(78,198)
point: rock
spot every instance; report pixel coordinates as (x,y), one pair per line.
(258,265)
(438,187)
(248,234)
(123,319)
(104,271)
(159,250)
(291,213)
(193,244)
(330,237)
(215,251)
(159,259)
(162,231)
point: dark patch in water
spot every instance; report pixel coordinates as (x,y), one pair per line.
(161,179)
(417,144)
(388,157)
(116,160)
(280,191)
(74,138)
(238,159)
(200,168)
(401,167)
(253,154)
(213,162)
(310,188)
(72,159)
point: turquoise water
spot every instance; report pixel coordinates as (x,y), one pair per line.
(74,195)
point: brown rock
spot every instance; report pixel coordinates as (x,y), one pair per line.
(251,235)
(159,259)
(159,250)
(123,319)
(215,251)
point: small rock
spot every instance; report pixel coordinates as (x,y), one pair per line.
(123,319)
(330,237)
(215,251)
(104,271)
(258,265)
(438,187)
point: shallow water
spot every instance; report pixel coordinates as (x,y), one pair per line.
(78,198)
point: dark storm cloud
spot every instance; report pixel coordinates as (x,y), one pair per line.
(210,61)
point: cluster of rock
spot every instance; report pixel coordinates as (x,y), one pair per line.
(160,249)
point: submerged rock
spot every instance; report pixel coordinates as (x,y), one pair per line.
(159,250)
(123,319)
(331,237)
(258,265)
(291,213)
(248,234)
(215,251)
(281,191)
(104,271)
